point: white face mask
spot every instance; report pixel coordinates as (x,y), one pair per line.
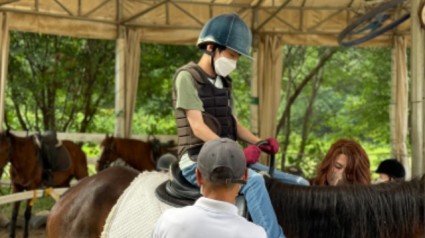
(224,66)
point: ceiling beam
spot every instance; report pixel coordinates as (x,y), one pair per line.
(272,15)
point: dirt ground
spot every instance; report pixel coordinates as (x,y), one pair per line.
(37,226)
(34,233)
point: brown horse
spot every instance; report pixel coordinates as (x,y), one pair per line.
(138,154)
(26,169)
(385,210)
(87,214)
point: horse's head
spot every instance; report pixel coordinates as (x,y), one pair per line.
(109,153)
(5,148)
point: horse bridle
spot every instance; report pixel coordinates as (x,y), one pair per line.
(103,164)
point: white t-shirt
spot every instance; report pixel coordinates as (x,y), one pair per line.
(207,218)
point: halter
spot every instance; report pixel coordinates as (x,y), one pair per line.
(105,163)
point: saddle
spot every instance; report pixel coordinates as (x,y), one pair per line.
(53,155)
(178,192)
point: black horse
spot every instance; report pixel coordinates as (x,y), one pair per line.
(384,210)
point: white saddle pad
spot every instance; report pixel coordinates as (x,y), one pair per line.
(138,209)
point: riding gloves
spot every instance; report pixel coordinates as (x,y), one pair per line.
(272,146)
(252,154)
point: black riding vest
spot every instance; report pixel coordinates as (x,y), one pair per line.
(217,116)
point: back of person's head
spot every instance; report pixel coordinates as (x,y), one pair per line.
(392,168)
(358,164)
(227,31)
(222,162)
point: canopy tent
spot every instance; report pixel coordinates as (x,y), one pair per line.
(305,22)
(273,22)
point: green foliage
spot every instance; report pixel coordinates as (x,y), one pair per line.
(154,111)
(360,88)
(57,82)
(352,102)
(68,84)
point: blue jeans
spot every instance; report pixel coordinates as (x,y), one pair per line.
(281,176)
(257,199)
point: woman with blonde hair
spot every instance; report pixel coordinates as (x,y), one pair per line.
(346,162)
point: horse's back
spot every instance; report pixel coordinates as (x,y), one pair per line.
(138,208)
(83,209)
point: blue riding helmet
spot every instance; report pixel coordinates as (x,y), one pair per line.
(227,30)
(392,168)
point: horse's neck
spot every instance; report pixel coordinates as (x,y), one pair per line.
(133,157)
(23,153)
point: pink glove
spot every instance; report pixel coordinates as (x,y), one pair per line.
(272,146)
(252,154)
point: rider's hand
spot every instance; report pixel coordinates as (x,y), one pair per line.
(252,154)
(272,146)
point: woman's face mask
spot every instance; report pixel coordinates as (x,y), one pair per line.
(335,178)
(224,66)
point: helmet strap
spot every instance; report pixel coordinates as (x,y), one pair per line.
(211,54)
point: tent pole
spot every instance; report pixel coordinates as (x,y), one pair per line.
(120,92)
(417,89)
(4,63)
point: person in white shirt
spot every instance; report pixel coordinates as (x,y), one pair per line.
(221,170)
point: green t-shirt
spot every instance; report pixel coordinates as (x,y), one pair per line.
(187,95)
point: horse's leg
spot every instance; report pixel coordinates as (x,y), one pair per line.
(27,218)
(12,225)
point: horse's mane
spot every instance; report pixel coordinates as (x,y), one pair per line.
(383,210)
(128,141)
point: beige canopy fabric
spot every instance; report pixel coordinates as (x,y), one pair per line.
(132,63)
(399,102)
(269,74)
(4,55)
(301,22)
(127,78)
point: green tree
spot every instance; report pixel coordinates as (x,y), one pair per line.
(58,83)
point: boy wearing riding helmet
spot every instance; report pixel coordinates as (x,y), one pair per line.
(202,96)
(390,170)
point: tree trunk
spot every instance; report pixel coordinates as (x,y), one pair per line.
(284,121)
(308,114)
